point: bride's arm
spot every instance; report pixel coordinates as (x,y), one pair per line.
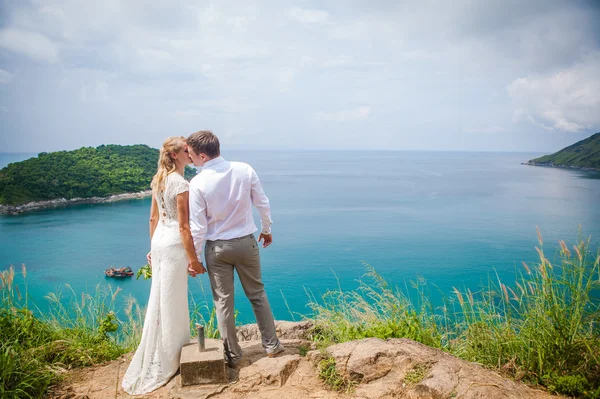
(183,213)
(153,216)
(153,223)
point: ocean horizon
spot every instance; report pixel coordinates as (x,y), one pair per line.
(448,218)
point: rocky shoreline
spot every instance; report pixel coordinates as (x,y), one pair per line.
(551,165)
(61,202)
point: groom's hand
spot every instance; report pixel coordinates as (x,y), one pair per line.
(267,239)
(195,268)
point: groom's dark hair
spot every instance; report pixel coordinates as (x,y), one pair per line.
(205,142)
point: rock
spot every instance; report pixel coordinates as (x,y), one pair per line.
(285,330)
(371,368)
(269,371)
(196,391)
(61,202)
(401,367)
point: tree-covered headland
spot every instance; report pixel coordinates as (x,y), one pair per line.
(584,154)
(82,173)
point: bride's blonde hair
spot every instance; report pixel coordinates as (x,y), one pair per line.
(166,165)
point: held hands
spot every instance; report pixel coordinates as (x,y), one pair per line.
(268,239)
(149,258)
(195,268)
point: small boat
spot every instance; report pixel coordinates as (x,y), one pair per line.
(118,272)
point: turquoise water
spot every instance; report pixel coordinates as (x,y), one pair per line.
(452,218)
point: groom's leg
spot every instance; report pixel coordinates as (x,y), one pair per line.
(220,273)
(249,271)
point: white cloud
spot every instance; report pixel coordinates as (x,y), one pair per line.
(128,67)
(308,16)
(30,44)
(5,77)
(356,114)
(567,101)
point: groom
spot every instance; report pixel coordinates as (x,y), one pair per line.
(221,199)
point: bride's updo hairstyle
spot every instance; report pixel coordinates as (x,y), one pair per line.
(165,162)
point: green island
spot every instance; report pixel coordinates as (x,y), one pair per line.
(84,173)
(584,154)
(542,329)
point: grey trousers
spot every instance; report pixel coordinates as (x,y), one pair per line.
(241,254)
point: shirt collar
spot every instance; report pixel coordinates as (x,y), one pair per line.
(213,161)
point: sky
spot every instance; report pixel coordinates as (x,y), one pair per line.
(466,75)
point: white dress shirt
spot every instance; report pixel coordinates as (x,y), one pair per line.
(221,198)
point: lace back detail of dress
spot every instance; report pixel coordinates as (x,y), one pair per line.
(166,200)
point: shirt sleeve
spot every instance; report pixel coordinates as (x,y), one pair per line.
(261,202)
(198,219)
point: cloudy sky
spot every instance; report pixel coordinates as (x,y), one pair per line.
(506,75)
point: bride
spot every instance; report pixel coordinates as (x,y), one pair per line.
(167,322)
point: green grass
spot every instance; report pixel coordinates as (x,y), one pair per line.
(36,348)
(416,374)
(544,328)
(330,376)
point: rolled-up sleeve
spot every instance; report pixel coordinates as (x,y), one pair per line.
(261,202)
(198,219)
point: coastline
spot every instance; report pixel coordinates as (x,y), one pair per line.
(551,165)
(60,202)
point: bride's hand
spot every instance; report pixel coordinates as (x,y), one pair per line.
(195,268)
(149,258)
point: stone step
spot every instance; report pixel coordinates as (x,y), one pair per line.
(206,367)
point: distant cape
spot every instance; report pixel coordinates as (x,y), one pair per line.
(584,154)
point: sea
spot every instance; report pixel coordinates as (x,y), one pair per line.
(444,219)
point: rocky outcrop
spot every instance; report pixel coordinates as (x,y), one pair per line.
(57,203)
(285,330)
(377,368)
(553,165)
(267,371)
(371,368)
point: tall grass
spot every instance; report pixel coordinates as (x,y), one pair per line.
(543,328)
(203,313)
(77,330)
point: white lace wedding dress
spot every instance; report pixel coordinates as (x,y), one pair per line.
(167,322)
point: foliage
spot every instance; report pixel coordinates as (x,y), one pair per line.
(583,154)
(83,173)
(416,374)
(330,376)
(303,349)
(145,272)
(22,376)
(374,309)
(34,350)
(545,328)
(572,385)
(203,314)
